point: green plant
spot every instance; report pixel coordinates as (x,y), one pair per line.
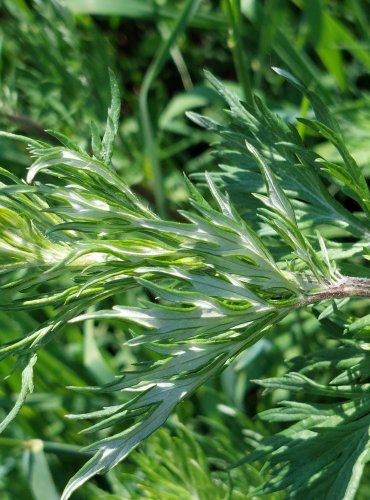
(218,282)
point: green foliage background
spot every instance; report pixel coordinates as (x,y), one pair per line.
(54,69)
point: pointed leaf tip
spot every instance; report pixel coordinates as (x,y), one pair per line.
(106,150)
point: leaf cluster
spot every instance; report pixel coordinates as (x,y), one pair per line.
(220,280)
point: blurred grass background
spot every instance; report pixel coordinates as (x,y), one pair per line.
(54,60)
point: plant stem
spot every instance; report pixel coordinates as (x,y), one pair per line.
(346,287)
(235,43)
(47,446)
(29,126)
(151,153)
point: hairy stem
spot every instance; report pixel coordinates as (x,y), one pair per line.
(346,287)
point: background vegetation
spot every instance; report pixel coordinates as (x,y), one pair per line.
(54,75)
